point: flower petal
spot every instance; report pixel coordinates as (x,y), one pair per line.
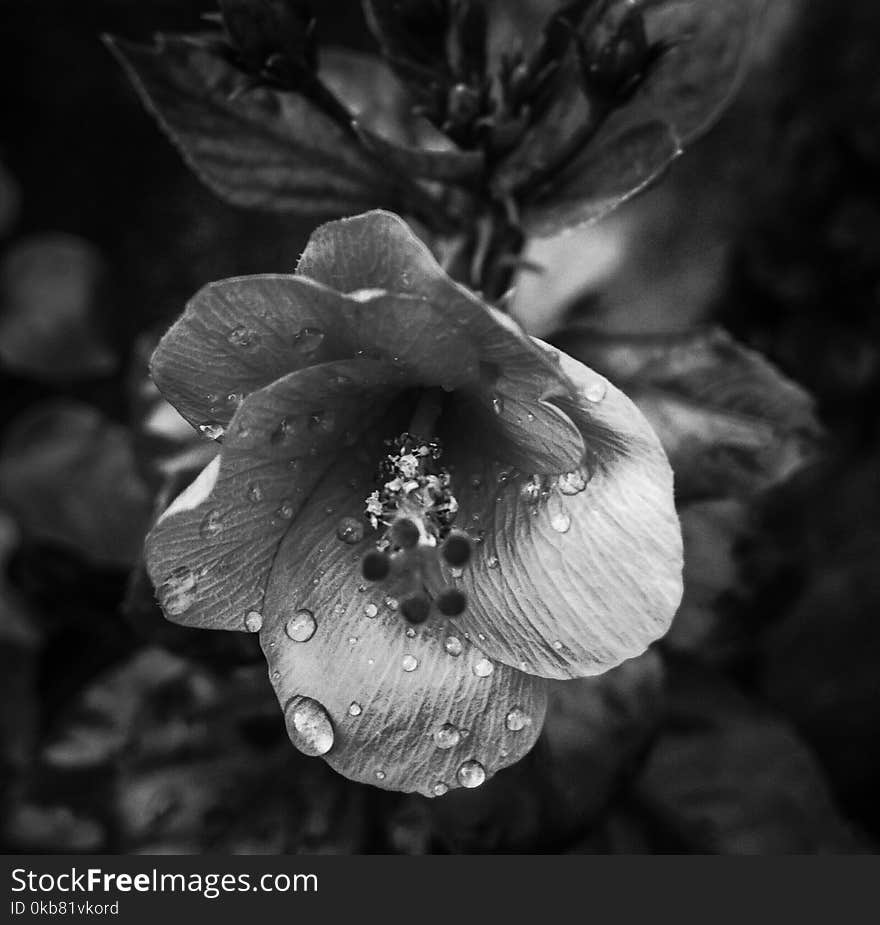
(209,556)
(572,582)
(365,691)
(379,250)
(238,335)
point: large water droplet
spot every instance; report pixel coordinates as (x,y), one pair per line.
(371,611)
(213,430)
(308,340)
(596,391)
(560,520)
(572,483)
(409,663)
(453,645)
(471,774)
(240,336)
(350,530)
(439,789)
(211,524)
(355,709)
(310,728)
(517,719)
(483,668)
(253,622)
(178,592)
(301,626)
(446,736)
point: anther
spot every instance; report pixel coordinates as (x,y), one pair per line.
(457,550)
(376,565)
(405,533)
(416,608)
(452,602)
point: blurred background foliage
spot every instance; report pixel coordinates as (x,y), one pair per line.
(754,727)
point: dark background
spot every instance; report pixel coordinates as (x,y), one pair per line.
(758,734)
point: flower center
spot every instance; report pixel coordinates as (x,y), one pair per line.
(414,510)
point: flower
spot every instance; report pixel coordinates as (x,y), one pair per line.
(423,512)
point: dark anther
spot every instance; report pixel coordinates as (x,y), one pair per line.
(404,533)
(376,565)
(452,602)
(416,608)
(457,550)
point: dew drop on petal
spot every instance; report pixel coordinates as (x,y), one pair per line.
(301,626)
(355,709)
(517,719)
(453,645)
(471,774)
(178,592)
(596,391)
(285,511)
(483,668)
(560,520)
(380,775)
(352,640)
(446,736)
(492,562)
(211,524)
(497,404)
(557,645)
(392,603)
(409,663)
(240,336)
(255,493)
(253,622)
(308,340)
(212,430)
(572,483)
(410,633)
(439,789)
(371,611)
(310,728)
(350,530)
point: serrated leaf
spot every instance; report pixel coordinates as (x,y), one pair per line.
(254,146)
(730,422)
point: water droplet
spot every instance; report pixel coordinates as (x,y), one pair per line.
(453,646)
(497,404)
(255,493)
(308,340)
(483,668)
(355,709)
(392,603)
(178,592)
(211,524)
(492,562)
(285,511)
(557,645)
(596,391)
(446,736)
(439,789)
(380,775)
(352,640)
(301,626)
(456,572)
(310,728)
(517,719)
(372,611)
(212,430)
(253,622)
(241,337)
(350,530)
(560,520)
(409,663)
(410,633)
(572,483)
(471,774)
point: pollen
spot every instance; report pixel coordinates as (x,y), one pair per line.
(413,510)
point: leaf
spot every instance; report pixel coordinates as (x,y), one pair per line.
(731,424)
(727,778)
(51,286)
(69,477)
(254,146)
